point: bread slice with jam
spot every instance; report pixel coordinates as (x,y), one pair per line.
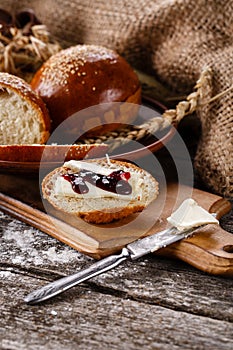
(99,191)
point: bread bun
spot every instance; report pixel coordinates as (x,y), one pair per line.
(83,76)
(50,153)
(24,118)
(101,209)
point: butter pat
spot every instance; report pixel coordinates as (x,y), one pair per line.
(190,215)
(77,165)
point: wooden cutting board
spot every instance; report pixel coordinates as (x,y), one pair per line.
(210,249)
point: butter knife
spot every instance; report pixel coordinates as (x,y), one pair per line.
(132,251)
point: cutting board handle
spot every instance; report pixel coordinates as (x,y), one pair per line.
(210,249)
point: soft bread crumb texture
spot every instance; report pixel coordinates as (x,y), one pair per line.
(102,210)
(24,118)
(18,120)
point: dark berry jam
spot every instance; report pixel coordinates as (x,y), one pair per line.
(116,182)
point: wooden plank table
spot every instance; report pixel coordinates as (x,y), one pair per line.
(152,303)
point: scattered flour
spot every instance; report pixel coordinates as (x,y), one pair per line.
(6,274)
(53,312)
(17,260)
(65,256)
(28,242)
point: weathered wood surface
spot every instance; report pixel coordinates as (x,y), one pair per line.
(206,250)
(154,303)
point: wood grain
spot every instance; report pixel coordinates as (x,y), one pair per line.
(91,317)
(87,333)
(210,249)
(152,303)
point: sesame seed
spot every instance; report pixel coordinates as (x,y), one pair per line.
(69,61)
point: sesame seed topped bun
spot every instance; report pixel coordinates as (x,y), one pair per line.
(83,76)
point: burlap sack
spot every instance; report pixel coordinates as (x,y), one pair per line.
(174,40)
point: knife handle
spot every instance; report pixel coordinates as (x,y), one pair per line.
(68,282)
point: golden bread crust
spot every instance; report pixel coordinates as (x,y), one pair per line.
(83,76)
(50,153)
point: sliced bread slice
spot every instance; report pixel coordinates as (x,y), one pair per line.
(24,118)
(106,207)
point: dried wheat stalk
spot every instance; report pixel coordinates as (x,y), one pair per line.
(124,135)
(22,55)
(195,100)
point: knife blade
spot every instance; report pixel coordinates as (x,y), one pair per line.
(132,251)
